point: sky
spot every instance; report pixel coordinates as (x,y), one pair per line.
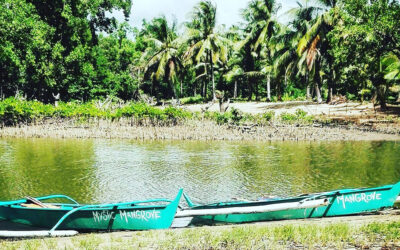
(228,11)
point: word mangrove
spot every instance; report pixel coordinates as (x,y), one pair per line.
(126,215)
(358,198)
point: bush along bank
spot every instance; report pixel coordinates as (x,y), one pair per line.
(16,112)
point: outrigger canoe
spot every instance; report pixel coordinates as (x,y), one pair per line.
(326,204)
(135,215)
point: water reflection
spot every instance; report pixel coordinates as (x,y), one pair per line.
(39,167)
(105,171)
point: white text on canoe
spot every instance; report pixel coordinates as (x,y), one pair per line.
(124,215)
(358,198)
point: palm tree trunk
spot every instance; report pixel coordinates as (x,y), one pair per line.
(256,90)
(269,87)
(203,88)
(308,89)
(317,92)
(278,91)
(330,94)
(286,77)
(317,82)
(381,94)
(251,89)
(235,90)
(173,89)
(212,77)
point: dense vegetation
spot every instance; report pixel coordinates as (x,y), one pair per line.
(17,112)
(74,50)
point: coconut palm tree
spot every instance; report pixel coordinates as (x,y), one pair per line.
(162,61)
(285,56)
(314,44)
(207,45)
(261,25)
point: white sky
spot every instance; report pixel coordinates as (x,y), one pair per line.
(228,11)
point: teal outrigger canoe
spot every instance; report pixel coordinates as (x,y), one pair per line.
(135,215)
(333,203)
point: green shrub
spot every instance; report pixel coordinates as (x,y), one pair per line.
(288,117)
(268,116)
(236,115)
(14,111)
(300,116)
(192,100)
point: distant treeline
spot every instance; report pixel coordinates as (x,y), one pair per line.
(73,50)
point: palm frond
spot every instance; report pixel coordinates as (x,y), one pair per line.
(312,52)
(309,37)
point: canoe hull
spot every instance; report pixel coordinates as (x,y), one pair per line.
(266,216)
(360,201)
(104,219)
(341,202)
(92,219)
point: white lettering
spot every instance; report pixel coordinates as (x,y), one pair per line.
(102,216)
(357,198)
(139,215)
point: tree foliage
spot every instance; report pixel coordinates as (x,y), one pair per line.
(76,50)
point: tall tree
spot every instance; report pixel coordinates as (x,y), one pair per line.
(368,33)
(76,25)
(207,45)
(261,25)
(315,46)
(162,58)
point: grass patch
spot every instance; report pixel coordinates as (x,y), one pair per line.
(250,236)
(192,100)
(300,116)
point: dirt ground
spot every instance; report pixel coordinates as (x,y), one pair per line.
(365,115)
(342,109)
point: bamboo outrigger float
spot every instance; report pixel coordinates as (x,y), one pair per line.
(135,215)
(326,204)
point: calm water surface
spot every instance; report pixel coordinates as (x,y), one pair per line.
(108,171)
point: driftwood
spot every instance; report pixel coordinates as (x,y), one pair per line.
(223,106)
(56,99)
(244,128)
(175,102)
(148,99)
(209,105)
(338,100)
(104,104)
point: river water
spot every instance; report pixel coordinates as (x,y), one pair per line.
(93,171)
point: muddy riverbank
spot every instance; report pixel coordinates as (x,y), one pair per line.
(264,122)
(200,130)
